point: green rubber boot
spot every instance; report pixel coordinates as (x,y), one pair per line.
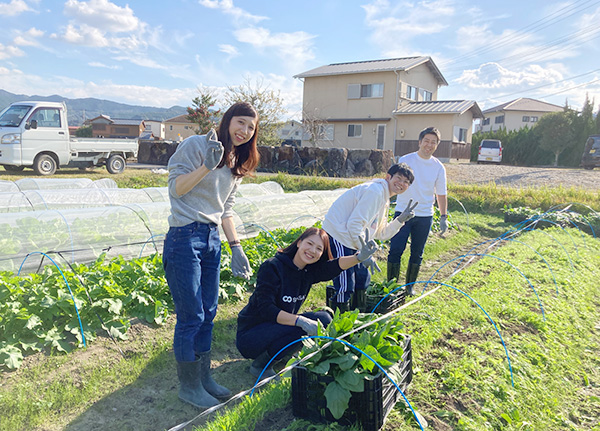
(191,389)
(412,272)
(209,384)
(393,271)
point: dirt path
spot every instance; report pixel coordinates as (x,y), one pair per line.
(519,176)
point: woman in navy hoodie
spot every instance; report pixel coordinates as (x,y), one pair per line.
(271,320)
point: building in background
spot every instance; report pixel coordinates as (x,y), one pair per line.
(384,104)
(516,114)
(178,128)
(157,128)
(105,127)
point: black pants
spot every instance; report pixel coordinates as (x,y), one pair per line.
(272,337)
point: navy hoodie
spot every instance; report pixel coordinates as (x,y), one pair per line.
(281,285)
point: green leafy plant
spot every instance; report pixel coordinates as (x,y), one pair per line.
(382,341)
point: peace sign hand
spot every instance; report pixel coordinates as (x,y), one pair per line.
(408,212)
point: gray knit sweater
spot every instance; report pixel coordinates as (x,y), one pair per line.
(212,199)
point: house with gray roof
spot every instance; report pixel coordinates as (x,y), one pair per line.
(384,104)
(516,114)
(105,127)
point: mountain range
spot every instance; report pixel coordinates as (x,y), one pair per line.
(81,109)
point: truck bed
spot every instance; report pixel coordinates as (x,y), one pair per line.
(89,145)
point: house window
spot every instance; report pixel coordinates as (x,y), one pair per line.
(525,118)
(326,132)
(499,119)
(425,95)
(462,135)
(371,90)
(170,127)
(486,122)
(354,130)
(357,91)
(534,119)
(411,92)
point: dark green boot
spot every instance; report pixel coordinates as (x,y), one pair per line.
(209,384)
(259,364)
(412,272)
(359,300)
(393,271)
(342,306)
(191,389)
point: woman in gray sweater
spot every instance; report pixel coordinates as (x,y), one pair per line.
(204,174)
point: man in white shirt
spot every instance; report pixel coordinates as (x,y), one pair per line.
(430,182)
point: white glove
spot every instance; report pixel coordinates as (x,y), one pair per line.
(367,247)
(371,265)
(408,212)
(307,325)
(240,266)
(443,224)
(214,151)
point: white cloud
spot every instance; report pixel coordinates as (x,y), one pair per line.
(103,15)
(143,62)
(102,24)
(15,7)
(29,38)
(10,51)
(494,76)
(294,48)
(15,81)
(230,50)
(83,35)
(104,66)
(226,6)
(393,25)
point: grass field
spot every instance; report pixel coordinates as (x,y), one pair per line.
(462,379)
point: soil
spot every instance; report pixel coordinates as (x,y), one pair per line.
(520,176)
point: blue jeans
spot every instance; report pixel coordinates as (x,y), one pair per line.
(272,337)
(418,229)
(354,278)
(192,262)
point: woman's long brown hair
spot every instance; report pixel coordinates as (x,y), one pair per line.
(246,156)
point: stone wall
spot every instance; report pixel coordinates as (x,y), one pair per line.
(331,162)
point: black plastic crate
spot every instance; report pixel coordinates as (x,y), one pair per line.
(369,408)
(390,303)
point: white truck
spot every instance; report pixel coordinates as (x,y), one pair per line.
(36,135)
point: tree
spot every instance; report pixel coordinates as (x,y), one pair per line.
(314,126)
(84,132)
(202,114)
(555,131)
(267,102)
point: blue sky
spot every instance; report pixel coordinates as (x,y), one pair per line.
(159,53)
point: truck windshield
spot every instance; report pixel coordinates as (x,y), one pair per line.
(13,116)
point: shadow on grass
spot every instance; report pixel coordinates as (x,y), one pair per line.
(151,402)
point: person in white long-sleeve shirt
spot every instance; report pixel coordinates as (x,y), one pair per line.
(364,207)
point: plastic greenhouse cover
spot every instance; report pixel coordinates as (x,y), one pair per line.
(8,186)
(52,183)
(42,199)
(266,188)
(80,235)
(136,228)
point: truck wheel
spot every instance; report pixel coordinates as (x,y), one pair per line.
(44,164)
(115,164)
(13,168)
(589,167)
